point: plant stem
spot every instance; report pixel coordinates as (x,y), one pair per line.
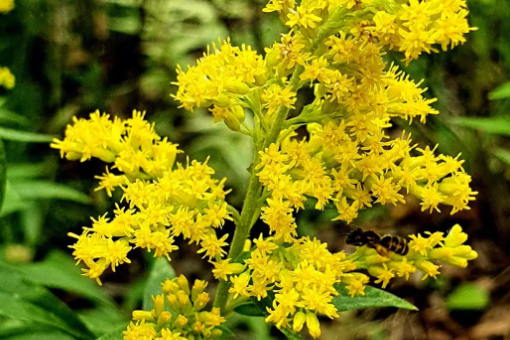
(253,193)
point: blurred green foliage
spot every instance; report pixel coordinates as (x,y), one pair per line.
(72,57)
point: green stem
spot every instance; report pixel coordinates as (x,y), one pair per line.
(253,193)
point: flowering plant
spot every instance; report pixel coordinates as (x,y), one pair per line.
(334,149)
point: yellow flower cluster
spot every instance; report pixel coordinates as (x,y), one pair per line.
(163,200)
(337,46)
(303,274)
(422,255)
(184,320)
(223,76)
(411,27)
(334,165)
(7,79)
(6,5)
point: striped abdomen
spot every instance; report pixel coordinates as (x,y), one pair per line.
(395,244)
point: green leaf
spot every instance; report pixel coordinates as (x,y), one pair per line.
(18,171)
(245,255)
(290,334)
(24,136)
(49,190)
(8,116)
(503,155)
(126,25)
(373,298)
(32,220)
(468,296)
(39,335)
(116,334)
(3,173)
(501,92)
(495,125)
(249,309)
(101,320)
(22,300)
(13,201)
(225,333)
(58,270)
(11,305)
(161,270)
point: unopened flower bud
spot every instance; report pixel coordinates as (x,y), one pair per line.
(441,253)
(201,301)
(222,100)
(173,302)
(238,111)
(159,304)
(184,301)
(272,58)
(232,123)
(314,327)
(216,333)
(183,284)
(299,321)
(198,287)
(143,315)
(456,237)
(181,321)
(236,86)
(247,245)
(164,318)
(170,286)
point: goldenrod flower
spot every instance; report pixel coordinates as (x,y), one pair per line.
(275,96)
(303,274)
(303,17)
(185,318)
(279,5)
(302,277)
(163,200)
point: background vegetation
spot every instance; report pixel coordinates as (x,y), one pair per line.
(74,56)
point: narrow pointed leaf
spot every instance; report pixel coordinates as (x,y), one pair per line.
(290,334)
(225,333)
(116,334)
(49,190)
(503,155)
(24,136)
(373,298)
(3,173)
(58,270)
(22,300)
(495,125)
(500,92)
(249,309)
(40,335)
(8,116)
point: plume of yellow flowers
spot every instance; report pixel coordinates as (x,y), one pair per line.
(6,5)
(177,315)
(348,160)
(345,158)
(162,199)
(303,274)
(7,79)
(353,170)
